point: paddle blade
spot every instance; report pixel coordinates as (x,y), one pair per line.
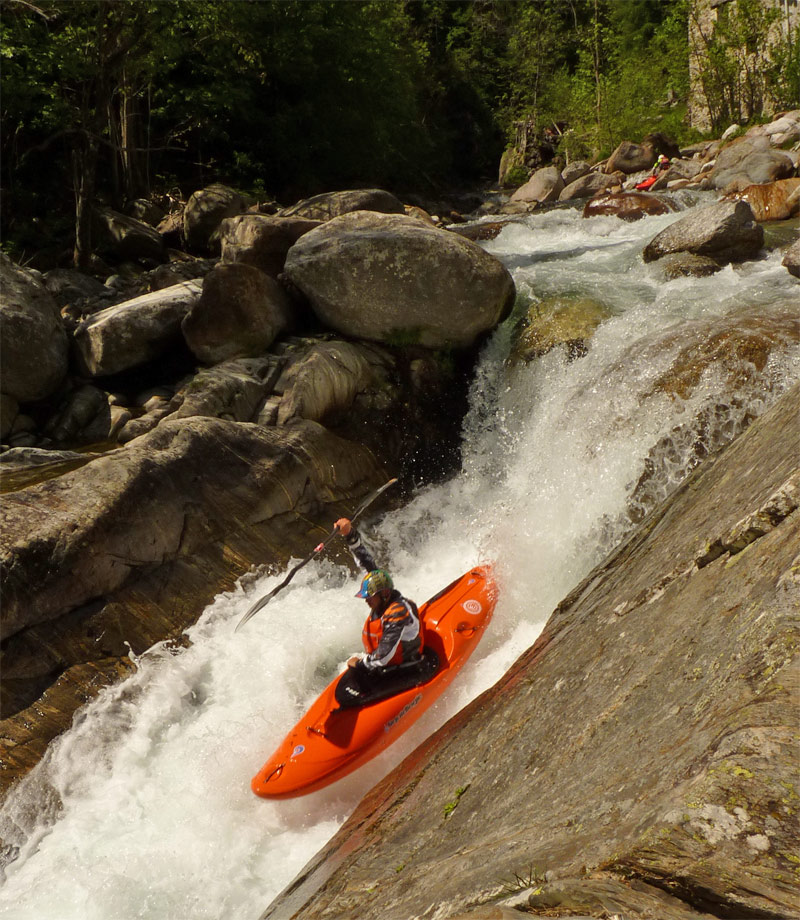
(262,602)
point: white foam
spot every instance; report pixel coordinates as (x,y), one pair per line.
(157,818)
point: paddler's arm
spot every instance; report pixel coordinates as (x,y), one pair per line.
(353,540)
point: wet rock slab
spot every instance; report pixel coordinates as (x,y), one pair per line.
(640,759)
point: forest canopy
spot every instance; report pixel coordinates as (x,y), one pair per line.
(111,100)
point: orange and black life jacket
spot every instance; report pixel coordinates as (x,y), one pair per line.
(391,635)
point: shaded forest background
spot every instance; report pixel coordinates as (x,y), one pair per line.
(114,100)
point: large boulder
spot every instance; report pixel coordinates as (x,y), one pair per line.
(791,259)
(559,321)
(127,550)
(333,204)
(134,331)
(590,184)
(126,239)
(785,129)
(33,342)
(232,390)
(69,286)
(262,240)
(204,212)
(544,185)
(239,314)
(640,760)
(750,161)
(392,278)
(576,170)
(327,381)
(627,205)
(687,264)
(726,231)
(630,158)
(773,201)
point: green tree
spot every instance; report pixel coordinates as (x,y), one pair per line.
(71,73)
(750,62)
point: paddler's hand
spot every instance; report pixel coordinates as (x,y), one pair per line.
(352,662)
(344,526)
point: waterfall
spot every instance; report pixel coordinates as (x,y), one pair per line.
(143,809)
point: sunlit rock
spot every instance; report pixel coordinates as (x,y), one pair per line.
(488,230)
(648,735)
(555,321)
(327,379)
(792,259)
(725,231)
(204,212)
(630,158)
(240,313)
(544,185)
(135,331)
(738,348)
(99,557)
(392,278)
(333,204)
(574,171)
(772,201)
(232,390)
(687,264)
(262,240)
(750,161)
(590,184)
(627,205)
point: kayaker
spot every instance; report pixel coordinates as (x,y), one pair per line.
(660,165)
(392,634)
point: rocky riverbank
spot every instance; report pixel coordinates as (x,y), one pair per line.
(640,759)
(284,417)
(246,373)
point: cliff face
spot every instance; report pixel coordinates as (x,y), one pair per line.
(640,758)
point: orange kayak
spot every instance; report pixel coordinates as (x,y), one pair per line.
(329,742)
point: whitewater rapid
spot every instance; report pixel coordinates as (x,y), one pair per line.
(144,809)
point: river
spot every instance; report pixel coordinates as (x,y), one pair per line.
(144,810)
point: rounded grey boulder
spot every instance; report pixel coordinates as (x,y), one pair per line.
(394,279)
(33,342)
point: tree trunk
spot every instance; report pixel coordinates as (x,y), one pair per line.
(84,168)
(130,122)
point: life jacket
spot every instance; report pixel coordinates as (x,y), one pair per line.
(396,630)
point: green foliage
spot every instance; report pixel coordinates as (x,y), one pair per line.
(736,81)
(113,99)
(451,806)
(517,176)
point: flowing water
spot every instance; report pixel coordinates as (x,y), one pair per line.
(143,809)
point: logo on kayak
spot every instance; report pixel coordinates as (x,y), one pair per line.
(404,711)
(298,750)
(472,606)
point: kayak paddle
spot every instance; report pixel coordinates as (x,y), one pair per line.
(262,602)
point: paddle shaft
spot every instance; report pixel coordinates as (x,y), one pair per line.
(262,602)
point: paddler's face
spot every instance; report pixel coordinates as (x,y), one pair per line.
(375,602)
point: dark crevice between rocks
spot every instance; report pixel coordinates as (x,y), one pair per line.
(699,898)
(783,502)
(34,659)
